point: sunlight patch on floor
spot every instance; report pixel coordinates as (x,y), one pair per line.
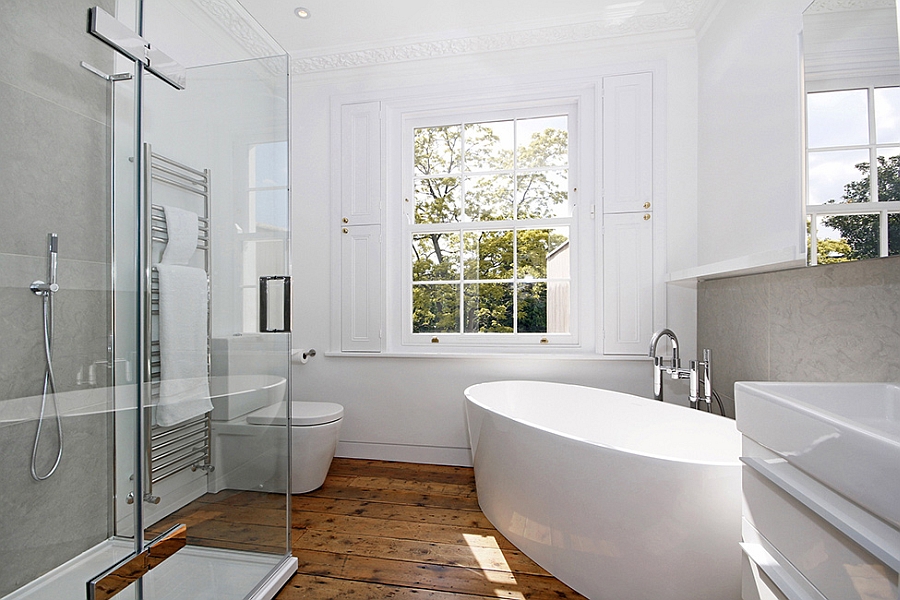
(490,558)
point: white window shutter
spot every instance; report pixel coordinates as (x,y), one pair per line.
(361,163)
(627,283)
(627,143)
(361,311)
(360,228)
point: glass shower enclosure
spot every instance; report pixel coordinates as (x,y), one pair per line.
(144,301)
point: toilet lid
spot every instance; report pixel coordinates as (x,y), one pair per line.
(302,413)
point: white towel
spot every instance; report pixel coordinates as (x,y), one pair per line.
(183,310)
(183,229)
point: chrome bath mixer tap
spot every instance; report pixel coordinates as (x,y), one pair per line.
(699,372)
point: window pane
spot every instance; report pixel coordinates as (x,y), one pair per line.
(489,308)
(543,195)
(489,198)
(839,176)
(437,150)
(489,146)
(532,307)
(540,251)
(435,257)
(558,306)
(435,308)
(437,200)
(848,237)
(542,142)
(488,254)
(889,175)
(268,165)
(838,118)
(270,210)
(893,234)
(887,115)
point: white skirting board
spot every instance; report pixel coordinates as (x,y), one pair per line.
(431,455)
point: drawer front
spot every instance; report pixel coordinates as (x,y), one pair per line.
(755,584)
(836,565)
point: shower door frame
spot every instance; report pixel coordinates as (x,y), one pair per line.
(145,555)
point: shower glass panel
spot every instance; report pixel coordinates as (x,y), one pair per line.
(102,154)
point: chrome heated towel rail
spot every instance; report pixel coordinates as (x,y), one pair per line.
(170,450)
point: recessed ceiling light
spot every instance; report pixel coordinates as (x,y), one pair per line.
(301,12)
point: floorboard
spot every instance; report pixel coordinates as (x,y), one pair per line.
(377,530)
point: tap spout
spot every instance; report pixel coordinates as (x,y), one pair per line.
(654,342)
(659,362)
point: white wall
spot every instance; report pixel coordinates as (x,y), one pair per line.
(412,408)
(750,137)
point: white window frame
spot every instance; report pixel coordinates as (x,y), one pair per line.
(249,242)
(874,206)
(580,103)
(577,235)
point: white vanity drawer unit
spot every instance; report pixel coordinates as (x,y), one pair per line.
(802,539)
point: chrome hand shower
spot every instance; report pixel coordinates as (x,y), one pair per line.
(46,291)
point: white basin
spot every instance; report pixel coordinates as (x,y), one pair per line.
(236,395)
(846,435)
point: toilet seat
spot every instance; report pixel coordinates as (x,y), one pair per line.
(302,414)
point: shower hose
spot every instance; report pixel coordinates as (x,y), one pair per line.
(48,392)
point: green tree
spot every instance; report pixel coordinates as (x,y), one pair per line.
(442,159)
(833,251)
(861,232)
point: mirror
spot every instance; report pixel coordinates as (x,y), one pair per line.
(852,74)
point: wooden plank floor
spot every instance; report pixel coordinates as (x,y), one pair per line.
(378,530)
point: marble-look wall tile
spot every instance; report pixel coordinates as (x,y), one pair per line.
(55,171)
(54,177)
(837,322)
(732,316)
(80,326)
(46,523)
(43,44)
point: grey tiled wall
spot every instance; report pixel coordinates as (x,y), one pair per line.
(837,322)
(53,178)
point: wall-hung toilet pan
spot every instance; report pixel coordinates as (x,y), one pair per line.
(315,427)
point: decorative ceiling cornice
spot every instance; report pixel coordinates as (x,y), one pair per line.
(829,6)
(240,27)
(680,16)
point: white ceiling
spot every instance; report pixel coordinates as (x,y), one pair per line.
(350,25)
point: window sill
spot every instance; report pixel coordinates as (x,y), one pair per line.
(461,354)
(763,262)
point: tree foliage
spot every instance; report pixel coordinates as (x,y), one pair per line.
(861,232)
(465,174)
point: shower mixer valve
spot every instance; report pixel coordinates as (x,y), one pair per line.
(42,288)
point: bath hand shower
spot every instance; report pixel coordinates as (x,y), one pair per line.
(46,290)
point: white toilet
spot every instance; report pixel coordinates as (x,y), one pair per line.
(315,427)
(248,449)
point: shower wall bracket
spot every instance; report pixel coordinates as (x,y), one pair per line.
(118,36)
(113,78)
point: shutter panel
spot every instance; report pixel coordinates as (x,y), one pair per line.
(627,142)
(627,283)
(361,163)
(361,289)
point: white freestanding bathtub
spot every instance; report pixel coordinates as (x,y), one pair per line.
(620,497)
